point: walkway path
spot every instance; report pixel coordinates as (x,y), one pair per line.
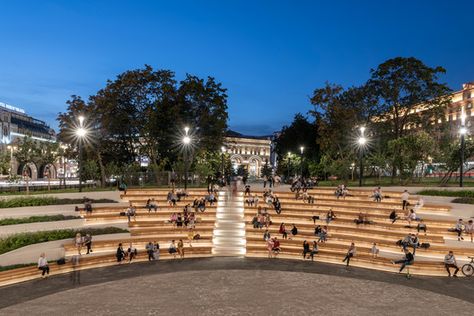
(259,270)
(229,232)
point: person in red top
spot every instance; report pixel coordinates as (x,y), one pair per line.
(276,246)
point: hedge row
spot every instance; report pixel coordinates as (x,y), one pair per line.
(16,241)
(461,193)
(36,219)
(46,200)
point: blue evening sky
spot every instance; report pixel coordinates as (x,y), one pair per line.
(270,55)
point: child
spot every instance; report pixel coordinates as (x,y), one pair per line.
(374,250)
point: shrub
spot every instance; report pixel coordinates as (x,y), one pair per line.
(45,200)
(24,239)
(16,266)
(464,200)
(461,193)
(36,219)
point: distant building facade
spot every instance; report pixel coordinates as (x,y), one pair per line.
(16,124)
(251,152)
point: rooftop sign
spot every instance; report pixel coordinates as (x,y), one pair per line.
(11,108)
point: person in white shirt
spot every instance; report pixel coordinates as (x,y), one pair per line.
(43,265)
(469,228)
(458,228)
(405,196)
(450,262)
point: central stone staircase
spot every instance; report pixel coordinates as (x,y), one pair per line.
(229,229)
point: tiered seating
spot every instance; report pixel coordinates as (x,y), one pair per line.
(343,230)
(148,226)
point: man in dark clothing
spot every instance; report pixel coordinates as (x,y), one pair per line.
(408,260)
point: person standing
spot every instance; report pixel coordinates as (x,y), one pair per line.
(374,250)
(405,196)
(120,253)
(181,248)
(469,229)
(315,250)
(458,228)
(76,273)
(150,251)
(450,262)
(43,265)
(78,242)
(132,253)
(350,254)
(305,249)
(156,251)
(88,243)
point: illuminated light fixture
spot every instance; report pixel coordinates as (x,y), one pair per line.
(81,132)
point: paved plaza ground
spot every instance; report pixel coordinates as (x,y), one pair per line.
(237,286)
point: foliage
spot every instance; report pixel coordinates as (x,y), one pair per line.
(464,200)
(143,113)
(301,132)
(16,266)
(5,162)
(408,151)
(207,164)
(90,170)
(266,170)
(24,239)
(45,200)
(36,219)
(459,193)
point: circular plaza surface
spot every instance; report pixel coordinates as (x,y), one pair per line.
(242,292)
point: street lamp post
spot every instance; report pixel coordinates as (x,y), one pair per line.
(223,167)
(81,133)
(289,164)
(301,150)
(186,142)
(361,141)
(463,132)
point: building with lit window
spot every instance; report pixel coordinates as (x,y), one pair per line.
(251,152)
(16,124)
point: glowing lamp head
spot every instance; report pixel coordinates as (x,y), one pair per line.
(289,153)
(186,130)
(362,141)
(223,149)
(301,149)
(362,130)
(81,132)
(186,140)
(463,131)
(81,119)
